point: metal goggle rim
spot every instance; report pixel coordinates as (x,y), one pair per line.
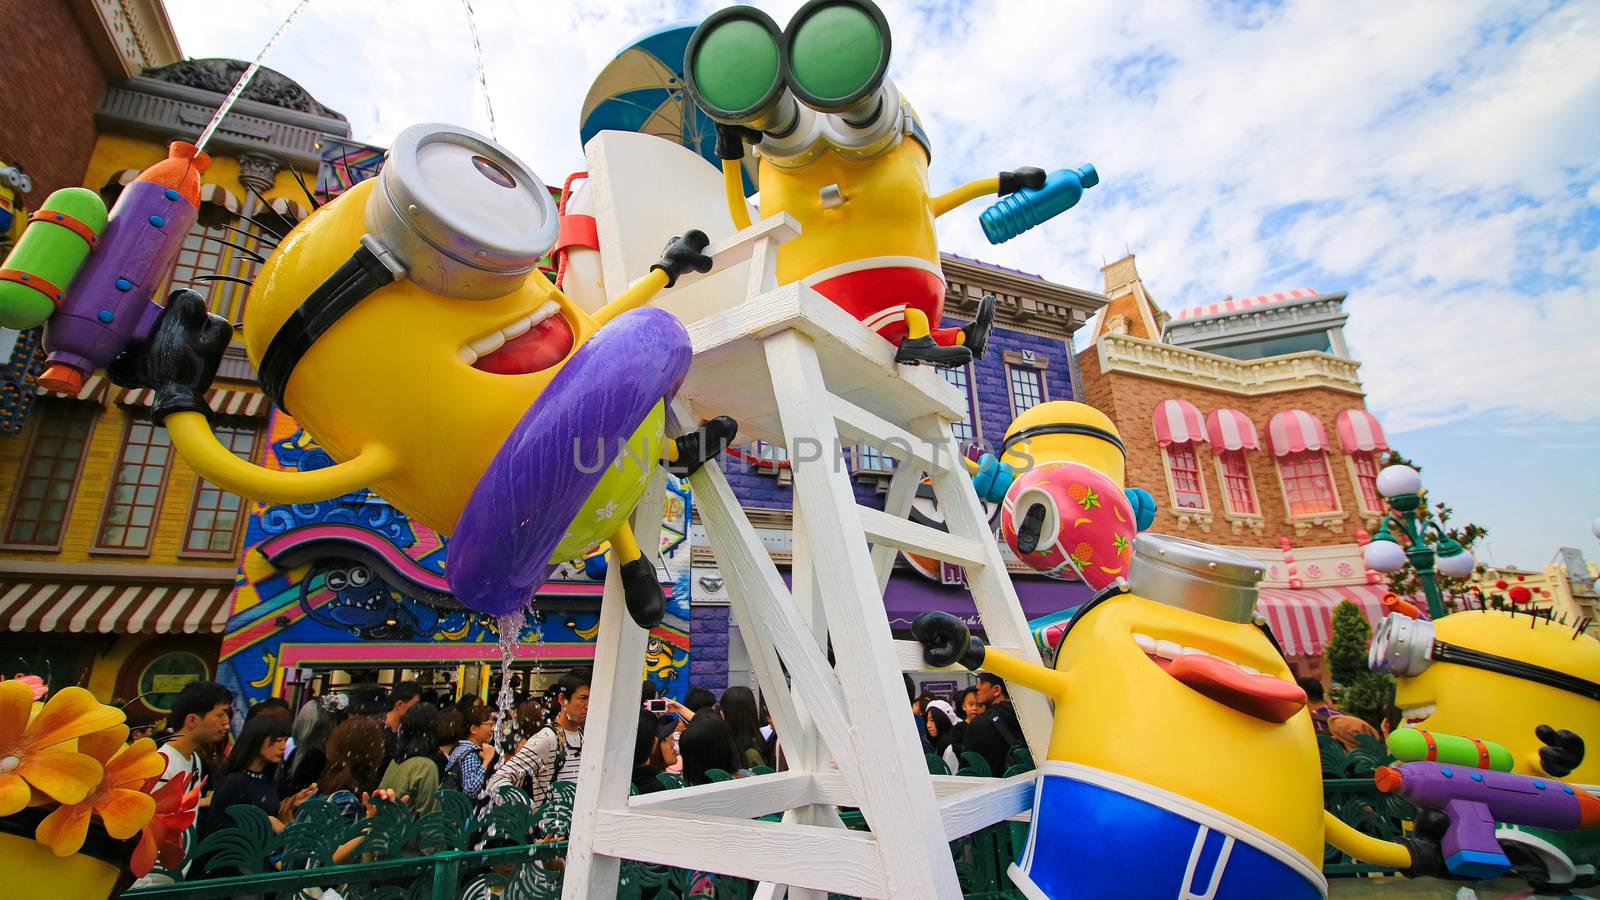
(786,151)
(1396,655)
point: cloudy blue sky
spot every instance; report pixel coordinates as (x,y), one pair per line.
(1438,161)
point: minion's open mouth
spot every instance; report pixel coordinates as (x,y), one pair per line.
(532,343)
(1232,684)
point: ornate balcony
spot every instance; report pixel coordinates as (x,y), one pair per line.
(1293,371)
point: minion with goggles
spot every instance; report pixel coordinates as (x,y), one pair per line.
(1523,682)
(407,327)
(1058,478)
(843,152)
(1179,730)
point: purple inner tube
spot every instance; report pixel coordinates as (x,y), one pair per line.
(500,552)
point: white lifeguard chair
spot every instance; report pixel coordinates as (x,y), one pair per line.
(795,370)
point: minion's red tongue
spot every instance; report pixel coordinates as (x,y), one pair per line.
(535,350)
(1262,696)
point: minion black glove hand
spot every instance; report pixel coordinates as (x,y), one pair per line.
(684,254)
(946,639)
(1563,751)
(180,359)
(1025,177)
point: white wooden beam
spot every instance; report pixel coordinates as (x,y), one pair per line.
(903,534)
(860,426)
(916,860)
(989,801)
(742,798)
(902,493)
(824,859)
(743,245)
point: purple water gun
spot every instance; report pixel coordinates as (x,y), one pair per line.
(111,302)
(1475,799)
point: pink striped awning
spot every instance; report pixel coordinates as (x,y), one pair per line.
(1178,422)
(1302,620)
(1359,431)
(1231,429)
(222,401)
(114,608)
(1240,305)
(1295,430)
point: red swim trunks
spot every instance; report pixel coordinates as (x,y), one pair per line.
(879,297)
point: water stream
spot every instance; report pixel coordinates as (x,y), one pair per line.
(244,79)
(483,74)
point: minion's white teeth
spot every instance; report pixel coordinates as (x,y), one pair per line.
(1145,642)
(1248,671)
(488,344)
(1168,649)
(516,329)
(549,309)
(466,355)
(1416,713)
(1194,651)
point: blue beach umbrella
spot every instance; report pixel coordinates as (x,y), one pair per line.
(642,90)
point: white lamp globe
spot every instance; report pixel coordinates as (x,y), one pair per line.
(1457,566)
(1384,556)
(1396,480)
(1595,526)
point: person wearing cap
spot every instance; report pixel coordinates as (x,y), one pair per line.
(996,731)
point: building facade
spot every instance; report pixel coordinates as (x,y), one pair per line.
(1029,362)
(117,561)
(1246,419)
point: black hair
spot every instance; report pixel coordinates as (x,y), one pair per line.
(419,733)
(1312,687)
(649,691)
(943,729)
(739,709)
(644,743)
(197,699)
(452,725)
(997,681)
(911,687)
(405,690)
(698,698)
(266,705)
(707,743)
(256,732)
(368,700)
(475,716)
(570,682)
(961,702)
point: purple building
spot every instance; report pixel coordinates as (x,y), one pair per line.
(1030,361)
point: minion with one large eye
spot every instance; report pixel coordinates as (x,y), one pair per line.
(407,327)
(1182,761)
(843,152)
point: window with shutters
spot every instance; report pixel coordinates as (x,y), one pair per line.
(216,517)
(138,482)
(1183,470)
(1364,466)
(1027,388)
(49,473)
(1238,486)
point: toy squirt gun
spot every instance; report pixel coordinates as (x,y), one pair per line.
(90,276)
(1469,782)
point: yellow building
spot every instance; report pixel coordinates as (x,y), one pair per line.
(1565,587)
(117,561)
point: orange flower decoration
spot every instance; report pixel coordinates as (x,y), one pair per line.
(176,807)
(38,685)
(28,763)
(123,808)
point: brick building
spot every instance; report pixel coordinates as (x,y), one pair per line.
(1029,362)
(1246,419)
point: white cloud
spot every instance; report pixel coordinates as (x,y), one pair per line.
(1439,160)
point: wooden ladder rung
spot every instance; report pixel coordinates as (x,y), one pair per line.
(903,534)
(859,425)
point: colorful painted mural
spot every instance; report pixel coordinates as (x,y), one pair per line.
(352,584)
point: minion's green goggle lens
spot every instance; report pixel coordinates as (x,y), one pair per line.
(735,65)
(838,53)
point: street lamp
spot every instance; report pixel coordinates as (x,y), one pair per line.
(1401,486)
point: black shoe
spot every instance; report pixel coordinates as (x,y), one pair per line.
(975,334)
(646,604)
(1028,531)
(916,351)
(702,445)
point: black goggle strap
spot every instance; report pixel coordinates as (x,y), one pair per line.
(369,268)
(1477,659)
(1062,428)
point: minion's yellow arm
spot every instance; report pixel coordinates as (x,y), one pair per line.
(1030,675)
(972,190)
(733,183)
(1364,848)
(191,434)
(638,294)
